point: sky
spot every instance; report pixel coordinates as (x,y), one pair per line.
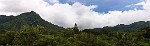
(108,5)
(87,14)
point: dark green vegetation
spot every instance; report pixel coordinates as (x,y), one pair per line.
(29,29)
(28,18)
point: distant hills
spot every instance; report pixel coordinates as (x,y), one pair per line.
(122,27)
(29,29)
(27,18)
(133,26)
(33,19)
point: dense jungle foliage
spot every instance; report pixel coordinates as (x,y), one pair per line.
(29,29)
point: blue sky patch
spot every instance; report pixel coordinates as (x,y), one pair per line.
(108,5)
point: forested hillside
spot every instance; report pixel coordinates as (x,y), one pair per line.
(28,18)
(29,29)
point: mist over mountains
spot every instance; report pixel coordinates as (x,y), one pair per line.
(66,15)
(33,19)
(74,23)
(29,29)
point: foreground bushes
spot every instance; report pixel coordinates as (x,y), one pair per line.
(39,36)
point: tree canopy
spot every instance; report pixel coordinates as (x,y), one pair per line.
(29,29)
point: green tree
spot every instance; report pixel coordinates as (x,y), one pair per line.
(76,28)
(27,35)
(147,32)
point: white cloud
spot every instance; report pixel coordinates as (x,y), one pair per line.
(67,15)
(18,6)
(54,1)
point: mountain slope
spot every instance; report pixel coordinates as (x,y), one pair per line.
(121,27)
(133,26)
(28,18)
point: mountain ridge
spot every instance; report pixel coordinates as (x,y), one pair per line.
(34,19)
(29,18)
